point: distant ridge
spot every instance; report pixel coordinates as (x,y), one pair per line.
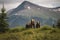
(27,10)
(21,6)
(26,2)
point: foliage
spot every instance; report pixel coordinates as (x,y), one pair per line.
(3,21)
(18,29)
(43,33)
(46,27)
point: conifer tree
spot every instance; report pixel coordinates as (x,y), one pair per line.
(3,20)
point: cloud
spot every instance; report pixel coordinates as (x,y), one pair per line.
(35,1)
(10,4)
(46,3)
(10,1)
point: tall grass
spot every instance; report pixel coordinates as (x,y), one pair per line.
(43,33)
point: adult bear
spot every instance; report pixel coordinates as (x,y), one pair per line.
(31,24)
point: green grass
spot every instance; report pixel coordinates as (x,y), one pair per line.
(43,33)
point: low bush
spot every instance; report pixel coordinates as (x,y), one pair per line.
(46,28)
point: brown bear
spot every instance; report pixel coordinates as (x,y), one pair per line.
(31,24)
(38,24)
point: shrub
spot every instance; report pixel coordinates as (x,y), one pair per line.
(53,31)
(46,28)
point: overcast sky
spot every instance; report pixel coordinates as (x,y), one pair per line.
(10,4)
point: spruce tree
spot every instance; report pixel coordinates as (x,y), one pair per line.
(3,20)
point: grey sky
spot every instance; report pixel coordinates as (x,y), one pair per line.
(9,4)
(10,1)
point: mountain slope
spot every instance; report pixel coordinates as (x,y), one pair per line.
(27,10)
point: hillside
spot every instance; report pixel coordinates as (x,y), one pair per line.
(27,10)
(43,33)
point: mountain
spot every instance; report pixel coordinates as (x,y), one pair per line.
(56,9)
(27,10)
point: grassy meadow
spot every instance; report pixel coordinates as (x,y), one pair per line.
(43,33)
